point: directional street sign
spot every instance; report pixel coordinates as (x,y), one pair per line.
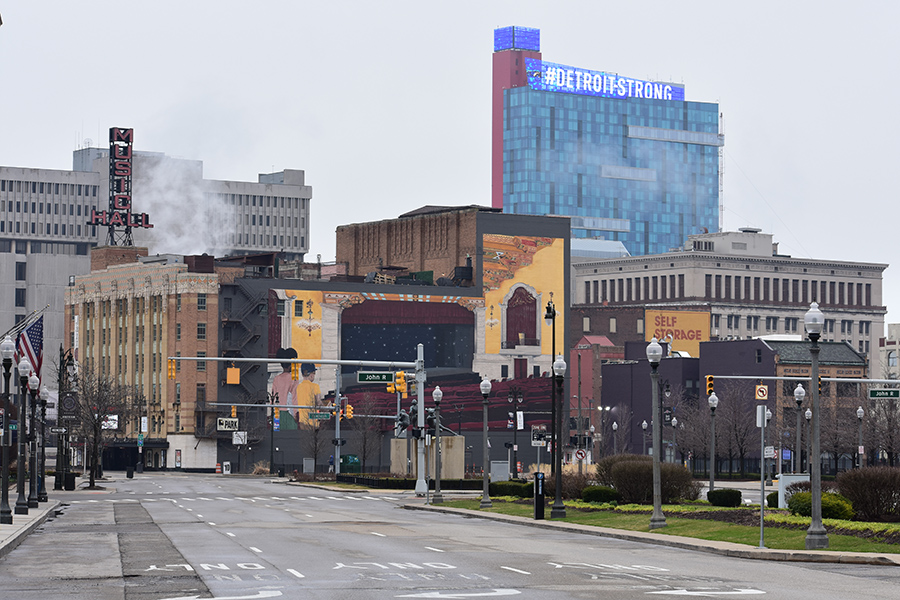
(320,416)
(374,376)
(874,394)
(58,430)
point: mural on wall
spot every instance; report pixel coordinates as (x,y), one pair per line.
(520,275)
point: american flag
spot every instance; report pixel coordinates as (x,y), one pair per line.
(31,343)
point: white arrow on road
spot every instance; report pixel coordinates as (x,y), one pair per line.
(260,594)
(737,592)
(495,592)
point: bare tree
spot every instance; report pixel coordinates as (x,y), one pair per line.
(105,407)
(694,430)
(368,428)
(735,425)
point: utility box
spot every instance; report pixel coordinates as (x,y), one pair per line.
(226,468)
(499,470)
(784,480)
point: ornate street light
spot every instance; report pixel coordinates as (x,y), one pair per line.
(550,320)
(33,385)
(558,511)
(615,428)
(21,501)
(713,404)
(816,536)
(437,395)
(799,395)
(860,413)
(808,416)
(42,485)
(644,427)
(7,350)
(654,355)
(674,441)
(485,497)
(515,398)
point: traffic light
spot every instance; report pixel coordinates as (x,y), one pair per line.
(349,411)
(233,411)
(171,368)
(709,385)
(400,381)
(295,371)
(391,388)
(820,386)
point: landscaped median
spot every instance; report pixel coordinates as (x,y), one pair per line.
(702,521)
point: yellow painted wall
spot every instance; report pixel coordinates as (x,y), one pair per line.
(306,331)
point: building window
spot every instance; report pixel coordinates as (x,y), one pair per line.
(178,302)
(279,308)
(892,359)
(640,326)
(201,331)
(201,364)
(20,297)
(20,271)
(201,301)
(178,331)
(177,393)
(612,325)
(178,363)
(201,393)
(586,324)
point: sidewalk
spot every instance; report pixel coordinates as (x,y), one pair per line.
(12,535)
(675,541)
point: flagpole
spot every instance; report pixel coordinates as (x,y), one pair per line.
(16,329)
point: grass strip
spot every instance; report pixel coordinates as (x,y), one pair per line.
(775,537)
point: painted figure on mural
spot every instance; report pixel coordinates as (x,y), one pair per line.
(282,385)
(308,391)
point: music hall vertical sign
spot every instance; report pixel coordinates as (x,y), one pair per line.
(119,219)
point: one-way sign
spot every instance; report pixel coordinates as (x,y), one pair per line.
(58,430)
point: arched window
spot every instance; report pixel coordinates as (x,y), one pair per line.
(892,358)
(521,319)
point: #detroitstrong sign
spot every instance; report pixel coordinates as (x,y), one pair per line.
(551,77)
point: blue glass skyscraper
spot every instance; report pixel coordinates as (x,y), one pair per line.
(627,159)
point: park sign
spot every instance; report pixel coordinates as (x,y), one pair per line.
(374,377)
(876,394)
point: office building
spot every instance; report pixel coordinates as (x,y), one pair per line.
(730,285)
(628,160)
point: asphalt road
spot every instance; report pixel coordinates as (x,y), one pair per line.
(177,536)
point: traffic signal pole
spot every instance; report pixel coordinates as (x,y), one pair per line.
(421,486)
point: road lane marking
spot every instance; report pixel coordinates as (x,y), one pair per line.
(211,524)
(459,594)
(710,592)
(516,570)
(295,573)
(378,534)
(433,549)
(229,534)
(256,549)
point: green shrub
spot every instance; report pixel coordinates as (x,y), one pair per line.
(599,493)
(572,485)
(874,492)
(605,465)
(518,489)
(633,479)
(772,499)
(724,497)
(834,506)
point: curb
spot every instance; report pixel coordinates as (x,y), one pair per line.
(674,541)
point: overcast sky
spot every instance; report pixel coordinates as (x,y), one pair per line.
(386,105)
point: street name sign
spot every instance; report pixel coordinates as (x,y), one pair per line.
(374,377)
(874,394)
(320,416)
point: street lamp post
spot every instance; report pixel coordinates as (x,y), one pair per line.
(644,436)
(550,321)
(615,428)
(713,403)
(437,395)
(799,395)
(654,354)
(674,441)
(21,501)
(515,398)
(816,536)
(765,462)
(42,485)
(33,385)
(485,497)
(7,350)
(808,416)
(558,510)
(860,413)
